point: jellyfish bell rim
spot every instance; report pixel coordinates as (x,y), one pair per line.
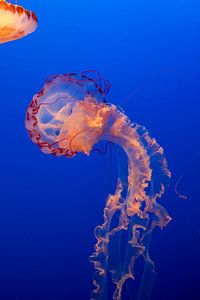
(98,83)
(20,7)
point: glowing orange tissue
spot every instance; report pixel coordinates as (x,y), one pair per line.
(15,22)
(70,115)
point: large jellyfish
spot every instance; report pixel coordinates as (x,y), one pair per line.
(15,22)
(70,115)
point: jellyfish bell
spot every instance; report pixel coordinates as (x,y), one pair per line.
(55,118)
(69,115)
(15,22)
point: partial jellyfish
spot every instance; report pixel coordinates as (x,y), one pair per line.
(70,115)
(15,22)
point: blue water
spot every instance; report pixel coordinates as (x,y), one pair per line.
(150,51)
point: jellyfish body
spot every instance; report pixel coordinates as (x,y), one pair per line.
(15,22)
(69,116)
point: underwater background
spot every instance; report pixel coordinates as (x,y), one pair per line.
(150,51)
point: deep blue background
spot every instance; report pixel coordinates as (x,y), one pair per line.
(150,51)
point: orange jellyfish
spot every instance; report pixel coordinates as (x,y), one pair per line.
(15,22)
(70,115)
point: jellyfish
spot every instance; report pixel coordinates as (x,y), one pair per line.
(70,115)
(15,22)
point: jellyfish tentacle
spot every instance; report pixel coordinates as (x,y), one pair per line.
(138,203)
(103,234)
